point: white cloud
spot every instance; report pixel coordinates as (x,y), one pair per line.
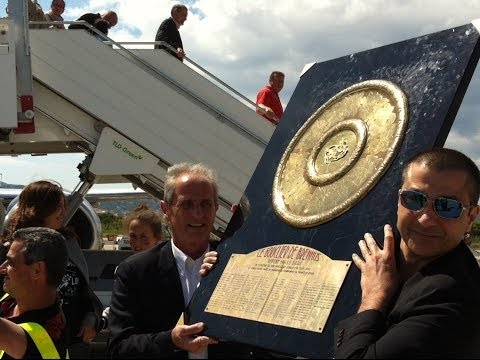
(241,41)
(24,169)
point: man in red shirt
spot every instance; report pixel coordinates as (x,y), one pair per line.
(268,101)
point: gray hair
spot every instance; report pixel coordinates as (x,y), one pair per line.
(177,170)
(44,244)
(177,8)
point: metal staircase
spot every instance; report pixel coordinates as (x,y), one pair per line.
(134,113)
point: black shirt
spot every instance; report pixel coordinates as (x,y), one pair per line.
(50,318)
(89,17)
(70,290)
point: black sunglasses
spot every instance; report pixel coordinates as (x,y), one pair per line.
(444,207)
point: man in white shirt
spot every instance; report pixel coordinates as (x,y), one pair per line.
(153,288)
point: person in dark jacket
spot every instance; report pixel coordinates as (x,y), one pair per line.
(152,288)
(168,31)
(110,17)
(421,294)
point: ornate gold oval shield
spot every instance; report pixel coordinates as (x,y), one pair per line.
(340,153)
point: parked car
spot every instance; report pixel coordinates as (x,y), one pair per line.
(123,243)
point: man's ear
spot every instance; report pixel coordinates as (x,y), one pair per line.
(165,209)
(39,270)
(473,214)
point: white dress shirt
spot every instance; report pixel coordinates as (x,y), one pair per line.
(188,270)
(190,279)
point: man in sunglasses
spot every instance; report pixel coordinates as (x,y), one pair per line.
(421,294)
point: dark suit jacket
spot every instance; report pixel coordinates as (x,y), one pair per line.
(89,18)
(436,314)
(169,33)
(147,301)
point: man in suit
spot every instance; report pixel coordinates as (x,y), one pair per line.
(168,31)
(152,288)
(421,294)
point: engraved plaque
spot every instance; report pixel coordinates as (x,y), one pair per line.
(340,153)
(288,285)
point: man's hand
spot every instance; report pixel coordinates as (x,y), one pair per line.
(185,337)
(181,54)
(265,110)
(209,262)
(272,115)
(87,333)
(380,278)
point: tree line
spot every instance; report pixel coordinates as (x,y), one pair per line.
(112,225)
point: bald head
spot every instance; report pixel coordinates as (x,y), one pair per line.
(111,17)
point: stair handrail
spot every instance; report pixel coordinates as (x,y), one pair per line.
(112,42)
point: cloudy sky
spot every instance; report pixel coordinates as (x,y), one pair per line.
(242,41)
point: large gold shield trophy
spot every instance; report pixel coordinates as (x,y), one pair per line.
(330,173)
(340,153)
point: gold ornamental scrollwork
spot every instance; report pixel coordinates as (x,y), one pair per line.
(340,153)
(324,172)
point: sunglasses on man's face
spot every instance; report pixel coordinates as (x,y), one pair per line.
(445,208)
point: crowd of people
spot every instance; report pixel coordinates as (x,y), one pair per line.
(168,38)
(42,204)
(419,291)
(419,296)
(53,18)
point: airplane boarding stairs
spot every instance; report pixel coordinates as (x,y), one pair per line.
(137,112)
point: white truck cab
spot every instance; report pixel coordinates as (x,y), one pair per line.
(122,242)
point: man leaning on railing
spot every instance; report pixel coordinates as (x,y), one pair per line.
(110,17)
